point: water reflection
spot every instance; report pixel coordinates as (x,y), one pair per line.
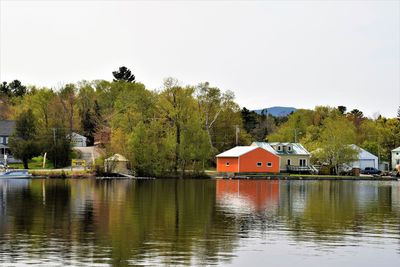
(201,222)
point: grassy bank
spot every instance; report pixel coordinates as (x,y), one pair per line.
(34,163)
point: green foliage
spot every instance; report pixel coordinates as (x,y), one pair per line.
(179,127)
(151,149)
(295,127)
(58,147)
(13,89)
(334,144)
(23,141)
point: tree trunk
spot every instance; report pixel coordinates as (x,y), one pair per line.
(178,142)
(25,161)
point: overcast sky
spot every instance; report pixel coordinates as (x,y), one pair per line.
(270,53)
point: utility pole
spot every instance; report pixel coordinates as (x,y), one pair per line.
(55,147)
(295,135)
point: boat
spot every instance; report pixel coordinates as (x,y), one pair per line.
(15,174)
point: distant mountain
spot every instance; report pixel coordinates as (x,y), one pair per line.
(278,111)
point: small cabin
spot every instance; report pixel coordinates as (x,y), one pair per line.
(116,164)
(395,157)
(248,159)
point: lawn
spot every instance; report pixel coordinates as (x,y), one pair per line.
(34,163)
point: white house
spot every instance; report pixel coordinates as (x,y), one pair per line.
(395,157)
(78,140)
(294,156)
(365,159)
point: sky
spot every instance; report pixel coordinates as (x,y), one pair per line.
(269,53)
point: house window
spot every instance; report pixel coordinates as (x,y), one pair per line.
(289,148)
(398,161)
(397,153)
(1,140)
(6,140)
(288,162)
(259,164)
(269,164)
(279,148)
(303,162)
(227,164)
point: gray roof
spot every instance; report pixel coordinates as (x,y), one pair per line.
(396,149)
(297,148)
(6,128)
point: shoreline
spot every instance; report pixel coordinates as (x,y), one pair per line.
(212,175)
(313,178)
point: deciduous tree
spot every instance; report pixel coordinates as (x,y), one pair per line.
(23,142)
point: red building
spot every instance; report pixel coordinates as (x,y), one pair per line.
(248,159)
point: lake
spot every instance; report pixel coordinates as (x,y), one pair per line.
(88,222)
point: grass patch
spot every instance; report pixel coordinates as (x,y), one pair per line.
(34,163)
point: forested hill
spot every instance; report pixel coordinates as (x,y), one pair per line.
(177,130)
(277,111)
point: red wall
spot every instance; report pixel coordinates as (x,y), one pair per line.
(233,164)
(248,161)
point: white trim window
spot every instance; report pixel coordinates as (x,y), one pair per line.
(259,164)
(227,164)
(269,164)
(303,162)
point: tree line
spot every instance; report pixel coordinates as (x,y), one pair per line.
(176,129)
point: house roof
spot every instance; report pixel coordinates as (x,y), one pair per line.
(396,149)
(297,148)
(265,146)
(6,127)
(237,151)
(76,135)
(363,154)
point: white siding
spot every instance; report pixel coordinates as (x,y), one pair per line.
(395,158)
(365,159)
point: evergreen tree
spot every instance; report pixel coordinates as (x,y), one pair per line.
(58,147)
(123,74)
(23,142)
(17,88)
(342,109)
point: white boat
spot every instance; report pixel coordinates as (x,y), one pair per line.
(15,174)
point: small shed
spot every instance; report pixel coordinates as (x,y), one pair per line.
(395,157)
(78,140)
(365,159)
(242,159)
(116,164)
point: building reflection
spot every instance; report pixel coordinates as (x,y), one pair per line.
(247,194)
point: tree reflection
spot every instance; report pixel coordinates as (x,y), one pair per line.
(124,222)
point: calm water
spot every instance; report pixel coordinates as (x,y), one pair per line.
(199,222)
